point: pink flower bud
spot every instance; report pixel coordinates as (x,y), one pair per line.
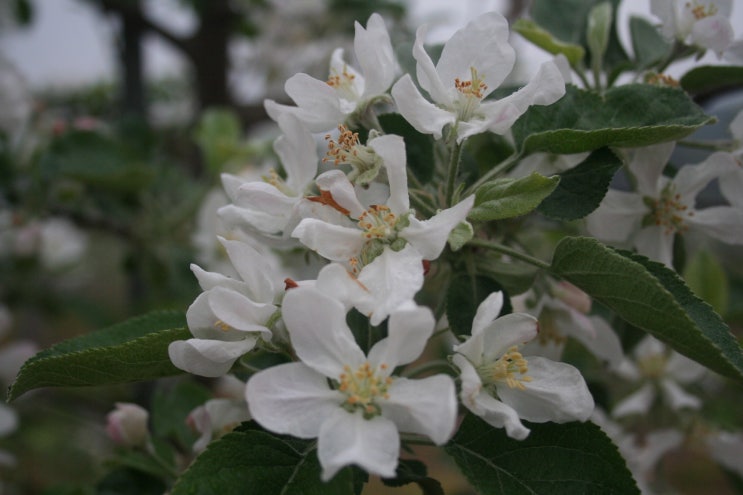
(127,425)
(572,296)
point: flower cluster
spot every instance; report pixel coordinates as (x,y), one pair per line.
(347,385)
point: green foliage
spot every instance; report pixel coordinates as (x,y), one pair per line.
(582,188)
(219,135)
(651,297)
(418,147)
(411,471)
(711,78)
(553,460)
(464,295)
(260,463)
(508,197)
(705,276)
(649,46)
(546,41)
(629,116)
(134,350)
(171,404)
(127,481)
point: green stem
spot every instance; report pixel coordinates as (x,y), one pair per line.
(454,159)
(494,246)
(493,172)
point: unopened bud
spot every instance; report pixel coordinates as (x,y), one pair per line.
(127,425)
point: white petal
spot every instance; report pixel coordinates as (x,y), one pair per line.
(211,358)
(684,370)
(426,73)
(546,87)
(393,279)
(713,33)
(556,393)
(392,150)
(605,343)
(471,382)
(209,280)
(473,348)
(373,50)
(483,45)
(429,236)
(262,197)
(336,182)
(333,242)
(731,184)
(235,217)
(297,151)
(408,331)
(617,217)
(487,312)
(419,112)
(677,398)
(499,415)
(291,399)
(427,406)
(337,282)
(721,222)
(638,402)
(727,449)
(346,438)
(648,164)
(239,312)
(691,179)
(318,101)
(256,273)
(318,330)
(655,243)
(507,331)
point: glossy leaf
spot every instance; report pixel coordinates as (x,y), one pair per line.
(255,462)
(508,197)
(134,350)
(651,297)
(629,116)
(582,188)
(555,459)
(546,41)
(711,78)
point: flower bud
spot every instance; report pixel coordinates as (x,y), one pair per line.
(127,425)
(572,296)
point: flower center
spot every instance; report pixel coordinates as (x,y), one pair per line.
(699,11)
(668,211)
(343,83)
(276,181)
(653,366)
(220,325)
(363,387)
(348,150)
(472,92)
(378,222)
(510,368)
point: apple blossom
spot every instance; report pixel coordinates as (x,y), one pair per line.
(127,425)
(703,23)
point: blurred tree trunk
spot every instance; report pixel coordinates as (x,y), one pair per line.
(130,57)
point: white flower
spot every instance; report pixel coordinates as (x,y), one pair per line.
(663,207)
(349,401)
(731,184)
(564,314)
(495,384)
(269,206)
(657,367)
(703,23)
(474,62)
(322,105)
(127,425)
(61,243)
(229,317)
(219,415)
(361,236)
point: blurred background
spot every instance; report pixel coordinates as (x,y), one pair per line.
(117,118)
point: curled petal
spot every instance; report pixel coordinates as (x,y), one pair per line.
(334,242)
(429,236)
(419,112)
(499,415)
(211,358)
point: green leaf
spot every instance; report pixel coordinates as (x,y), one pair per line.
(555,459)
(172,402)
(544,40)
(513,276)
(628,116)
(464,295)
(129,482)
(254,462)
(134,350)
(219,136)
(706,277)
(507,197)
(412,471)
(418,147)
(711,78)
(582,188)
(649,46)
(651,297)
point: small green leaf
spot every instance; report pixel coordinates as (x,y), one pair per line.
(460,235)
(582,188)
(134,350)
(651,297)
(418,147)
(254,462)
(544,40)
(627,116)
(464,295)
(555,459)
(508,198)
(600,20)
(706,277)
(219,137)
(711,78)
(649,46)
